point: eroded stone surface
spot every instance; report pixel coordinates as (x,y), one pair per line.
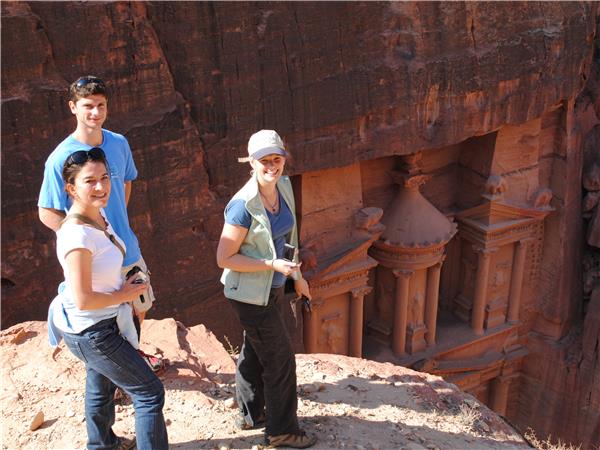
(338,88)
(350,86)
(345,402)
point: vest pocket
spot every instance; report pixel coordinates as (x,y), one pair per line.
(233,280)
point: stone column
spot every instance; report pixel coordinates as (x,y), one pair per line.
(356,320)
(499,394)
(481,284)
(401,311)
(431,302)
(516,281)
(311,328)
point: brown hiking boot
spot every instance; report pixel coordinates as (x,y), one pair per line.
(291,440)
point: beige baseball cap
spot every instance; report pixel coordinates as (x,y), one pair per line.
(263,143)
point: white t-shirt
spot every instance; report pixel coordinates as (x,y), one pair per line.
(106,270)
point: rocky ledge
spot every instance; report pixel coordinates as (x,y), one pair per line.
(347,402)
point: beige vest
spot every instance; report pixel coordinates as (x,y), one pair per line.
(254,287)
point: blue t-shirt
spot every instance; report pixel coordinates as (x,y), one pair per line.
(122,169)
(281,222)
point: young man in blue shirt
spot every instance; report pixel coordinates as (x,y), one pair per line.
(88,101)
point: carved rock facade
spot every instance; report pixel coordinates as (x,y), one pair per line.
(354,88)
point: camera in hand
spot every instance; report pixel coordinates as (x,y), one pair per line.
(141,278)
(290,252)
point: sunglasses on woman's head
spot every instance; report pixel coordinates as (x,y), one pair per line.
(82,156)
(89,80)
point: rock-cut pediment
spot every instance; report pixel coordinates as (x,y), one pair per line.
(494,215)
(344,259)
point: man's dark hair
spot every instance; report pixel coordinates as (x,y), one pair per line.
(86,86)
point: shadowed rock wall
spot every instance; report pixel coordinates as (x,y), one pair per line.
(559,388)
(342,82)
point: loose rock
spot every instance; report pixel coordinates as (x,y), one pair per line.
(37,421)
(230,402)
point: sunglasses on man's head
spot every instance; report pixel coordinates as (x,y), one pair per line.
(89,80)
(82,156)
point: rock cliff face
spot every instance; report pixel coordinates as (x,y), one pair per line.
(343,83)
(570,372)
(561,376)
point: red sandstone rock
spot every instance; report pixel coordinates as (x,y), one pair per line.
(349,86)
(337,93)
(570,372)
(591,177)
(358,402)
(590,201)
(37,421)
(593,234)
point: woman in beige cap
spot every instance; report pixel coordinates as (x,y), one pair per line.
(260,224)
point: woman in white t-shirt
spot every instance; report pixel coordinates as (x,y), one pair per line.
(93,313)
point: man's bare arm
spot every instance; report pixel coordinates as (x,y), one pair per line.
(127,192)
(51,217)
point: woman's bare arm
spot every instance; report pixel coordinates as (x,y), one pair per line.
(79,266)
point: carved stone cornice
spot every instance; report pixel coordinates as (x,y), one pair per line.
(346,278)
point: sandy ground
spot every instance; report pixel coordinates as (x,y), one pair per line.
(346,402)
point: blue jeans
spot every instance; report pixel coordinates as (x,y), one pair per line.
(111,361)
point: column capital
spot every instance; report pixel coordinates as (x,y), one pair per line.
(403,273)
(314,304)
(485,252)
(523,242)
(504,378)
(360,292)
(439,264)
